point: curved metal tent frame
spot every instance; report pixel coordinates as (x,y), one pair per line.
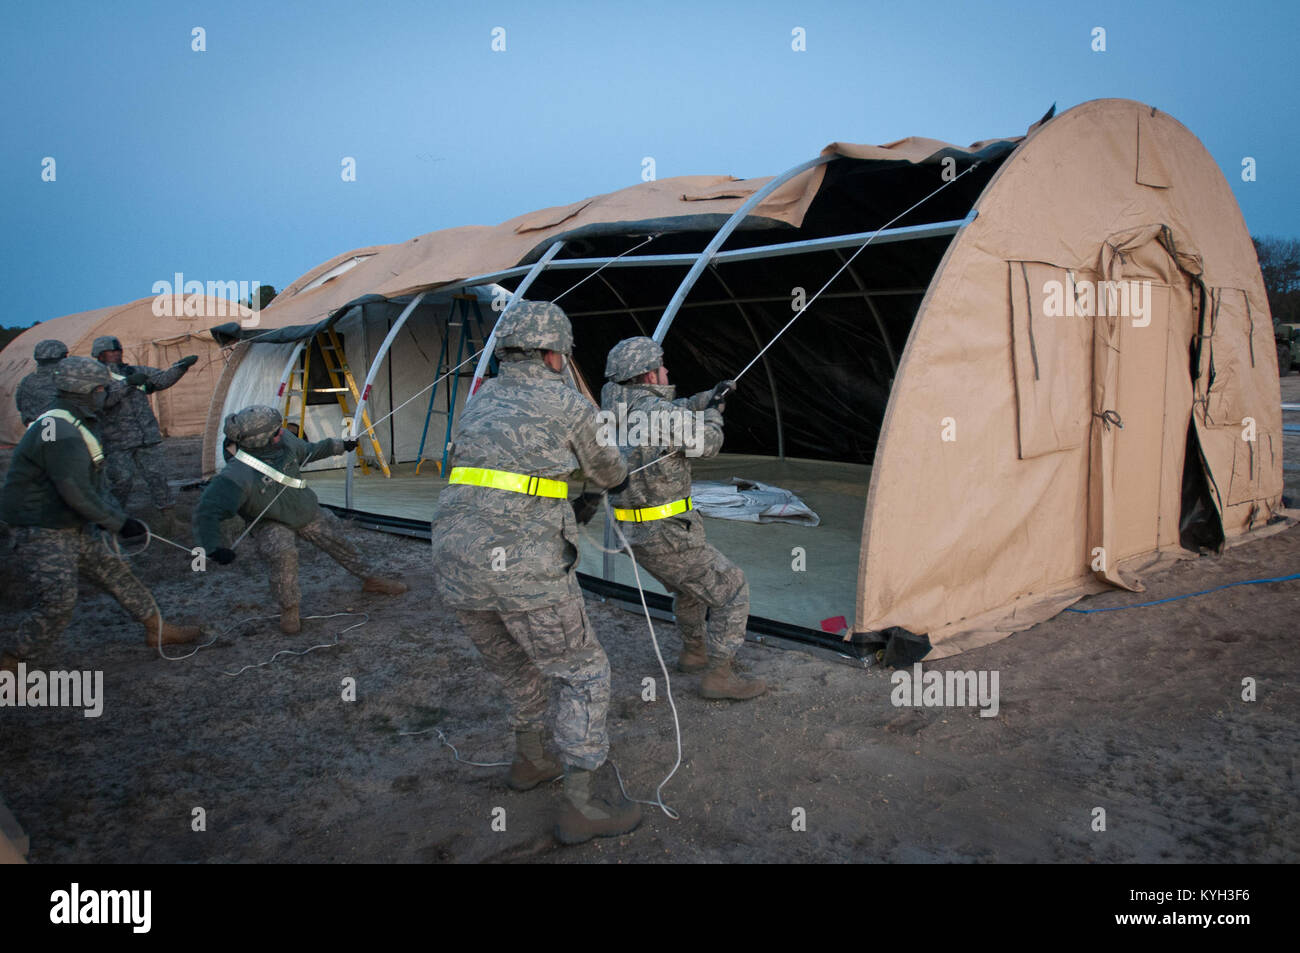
(710,251)
(486,357)
(707,259)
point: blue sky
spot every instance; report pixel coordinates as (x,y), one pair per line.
(225,164)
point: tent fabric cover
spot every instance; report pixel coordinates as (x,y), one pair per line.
(1002,485)
(1037,491)
(677,203)
(148,339)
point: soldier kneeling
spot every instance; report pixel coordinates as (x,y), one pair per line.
(262,482)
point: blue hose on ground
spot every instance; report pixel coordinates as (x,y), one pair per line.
(1229,585)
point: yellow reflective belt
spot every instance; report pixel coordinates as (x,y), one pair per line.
(649,513)
(95,448)
(514,482)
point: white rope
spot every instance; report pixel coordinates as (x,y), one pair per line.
(604,266)
(846,264)
(114,545)
(668,688)
(114,548)
(475,355)
(659,459)
(425,388)
(249,528)
(365,617)
(808,303)
(455,753)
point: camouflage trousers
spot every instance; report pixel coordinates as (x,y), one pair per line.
(278,545)
(54,559)
(524,650)
(151,460)
(710,592)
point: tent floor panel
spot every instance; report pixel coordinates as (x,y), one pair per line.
(825,587)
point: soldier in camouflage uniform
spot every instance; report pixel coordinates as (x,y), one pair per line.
(131,434)
(54,499)
(36,392)
(711,595)
(262,482)
(505,552)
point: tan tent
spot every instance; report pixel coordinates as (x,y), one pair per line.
(1049,370)
(150,339)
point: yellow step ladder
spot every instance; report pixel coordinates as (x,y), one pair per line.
(342,383)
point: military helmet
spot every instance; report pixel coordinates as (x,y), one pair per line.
(253,426)
(632,357)
(50,350)
(105,343)
(81,375)
(533,326)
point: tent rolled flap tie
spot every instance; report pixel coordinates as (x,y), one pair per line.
(940,406)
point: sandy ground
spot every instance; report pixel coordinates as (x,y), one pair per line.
(1139,713)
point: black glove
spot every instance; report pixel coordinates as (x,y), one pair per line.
(585,506)
(224,556)
(621,487)
(132,528)
(187,361)
(349,445)
(138,379)
(720,394)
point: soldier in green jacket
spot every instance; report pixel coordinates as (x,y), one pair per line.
(36,392)
(54,498)
(130,429)
(262,482)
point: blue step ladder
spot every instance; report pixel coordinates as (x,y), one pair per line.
(464,309)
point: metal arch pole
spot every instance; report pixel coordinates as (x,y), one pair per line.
(288,366)
(370,379)
(906,233)
(288,370)
(875,313)
(623,301)
(880,322)
(722,235)
(379,359)
(486,356)
(767,367)
(455,377)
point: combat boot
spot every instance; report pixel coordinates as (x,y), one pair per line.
(387,587)
(694,657)
(532,765)
(723,681)
(171,634)
(289,622)
(586,815)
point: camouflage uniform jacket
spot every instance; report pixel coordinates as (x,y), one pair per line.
(128,421)
(670,480)
(509,552)
(36,393)
(55,484)
(240,489)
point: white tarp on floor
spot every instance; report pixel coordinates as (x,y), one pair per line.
(751,502)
